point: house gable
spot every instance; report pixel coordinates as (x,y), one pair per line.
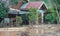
(43,7)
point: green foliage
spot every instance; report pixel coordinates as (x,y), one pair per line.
(51,10)
(32,0)
(56,4)
(51,16)
(14,2)
(32,14)
(59,8)
(3,10)
(19,20)
(58,1)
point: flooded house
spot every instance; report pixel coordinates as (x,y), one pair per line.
(22,9)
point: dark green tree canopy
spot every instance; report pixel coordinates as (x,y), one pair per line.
(3,10)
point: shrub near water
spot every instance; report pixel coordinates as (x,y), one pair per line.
(19,20)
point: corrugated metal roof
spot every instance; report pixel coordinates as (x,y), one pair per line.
(33,5)
(24,6)
(28,5)
(16,12)
(18,5)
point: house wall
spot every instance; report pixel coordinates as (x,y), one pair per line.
(11,15)
(24,18)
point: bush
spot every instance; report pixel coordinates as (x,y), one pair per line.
(51,16)
(19,20)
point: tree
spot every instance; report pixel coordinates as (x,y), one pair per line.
(51,15)
(55,8)
(32,15)
(14,2)
(3,10)
(56,4)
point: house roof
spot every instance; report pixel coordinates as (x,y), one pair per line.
(17,6)
(37,4)
(34,5)
(16,11)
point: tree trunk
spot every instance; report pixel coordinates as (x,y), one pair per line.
(58,20)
